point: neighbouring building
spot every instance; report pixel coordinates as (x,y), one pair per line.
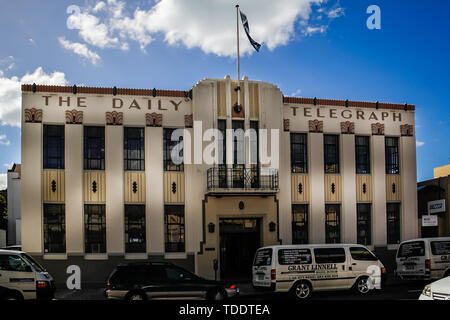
(99,185)
(433,199)
(14,205)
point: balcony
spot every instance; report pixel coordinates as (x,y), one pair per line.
(240,180)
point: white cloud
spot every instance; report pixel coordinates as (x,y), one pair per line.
(79,49)
(297,93)
(336,13)
(4,141)
(7,63)
(10,93)
(420,144)
(9,165)
(3,181)
(208,25)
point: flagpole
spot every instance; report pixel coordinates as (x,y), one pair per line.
(238,57)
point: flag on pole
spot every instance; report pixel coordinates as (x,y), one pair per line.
(244,19)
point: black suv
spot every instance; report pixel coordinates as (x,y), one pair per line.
(160,280)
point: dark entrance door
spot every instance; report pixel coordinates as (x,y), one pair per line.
(239,240)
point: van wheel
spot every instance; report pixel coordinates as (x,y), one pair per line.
(362,285)
(13,296)
(135,296)
(302,290)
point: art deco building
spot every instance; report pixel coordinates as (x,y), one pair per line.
(99,185)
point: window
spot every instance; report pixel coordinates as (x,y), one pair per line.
(364,225)
(54,228)
(254,154)
(135,228)
(411,249)
(134,149)
(299,224)
(332,223)
(440,248)
(222,127)
(173,163)
(299,152)
(263,257)
(393,223)
(392,156)
(94,228)
(362,254)
(238,143)
(94,148)
(331,153)
(13,263)
(362,152)
(174,221)
(53,147)
(178,274)
(294,256)
(329,255)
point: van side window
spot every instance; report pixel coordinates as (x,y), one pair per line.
(411,249)
(263,257)
(329,255)
(359,253)
(294,256)
(13,263)
(439,248)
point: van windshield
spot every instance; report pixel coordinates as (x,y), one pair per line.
(263,257)
(411,249)
(439,248)
(36,266)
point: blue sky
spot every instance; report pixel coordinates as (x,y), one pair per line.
(311,49)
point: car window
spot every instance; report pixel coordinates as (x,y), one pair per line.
(33,262)
(13,263)
(294,256)
(176,274)
(329,255)
(411,249)
(440,247)
(360,253)
(263,257)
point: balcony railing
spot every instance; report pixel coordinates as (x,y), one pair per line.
(232,179)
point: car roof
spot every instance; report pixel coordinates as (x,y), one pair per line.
(7,251)
(144,263)
(428,239)
(292,246)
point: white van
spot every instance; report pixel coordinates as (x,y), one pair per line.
(302,269)
(427,258)
(22,278)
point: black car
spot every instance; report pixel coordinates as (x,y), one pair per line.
(160,280)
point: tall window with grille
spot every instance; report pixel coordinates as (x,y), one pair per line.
(299,152)
(173,150)
(238,153)
(134,149)
(362,153)
(53,147)
(94,228)
(254,154)
(392,155)
(300,234)
(393,223)
(332,223)
(331,153)
(364,223)
(174,228)
(94,148)
(135,228)
(222,175)
(54,228)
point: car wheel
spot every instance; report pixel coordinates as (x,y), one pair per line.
(302,290)
(136,296)
(217,295)
(362,285)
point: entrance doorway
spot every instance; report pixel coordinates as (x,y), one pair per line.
(239,240)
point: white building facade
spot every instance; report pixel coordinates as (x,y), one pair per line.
(99,186)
